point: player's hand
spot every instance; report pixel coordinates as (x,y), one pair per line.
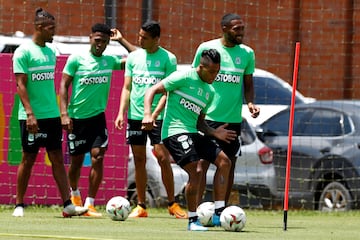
(66,123)
(254,110)
(116,35)
(148,123)
(31,124)
(119,122)
(224,134)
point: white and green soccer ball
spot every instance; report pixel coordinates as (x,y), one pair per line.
(233,218)
(118,208)
(205,212)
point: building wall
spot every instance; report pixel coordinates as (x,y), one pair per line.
(329,52)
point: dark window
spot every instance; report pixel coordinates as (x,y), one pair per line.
(309,122)
(279,124)
(324,123)
(9,49)
(269,91)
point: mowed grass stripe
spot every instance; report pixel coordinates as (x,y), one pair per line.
(47,223)
(33,236)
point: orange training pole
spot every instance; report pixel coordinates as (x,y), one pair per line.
(291,123)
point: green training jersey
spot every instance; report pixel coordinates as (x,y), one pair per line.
(235,63)
(91,83)
(38,63)
(187,97)
(146,69)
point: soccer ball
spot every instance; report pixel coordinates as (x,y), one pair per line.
(118,208)
(205,212)
(233,218)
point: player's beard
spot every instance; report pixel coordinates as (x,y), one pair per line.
(236,40)
(48,38)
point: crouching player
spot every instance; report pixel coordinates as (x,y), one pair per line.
(188,96)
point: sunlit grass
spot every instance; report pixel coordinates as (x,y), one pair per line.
(47,223)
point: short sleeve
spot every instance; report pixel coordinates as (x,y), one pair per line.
(71,65)
(20,64)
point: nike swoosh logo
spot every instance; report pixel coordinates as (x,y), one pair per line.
(187,151)
(181,215)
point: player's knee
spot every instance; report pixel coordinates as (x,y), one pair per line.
(98,160)
(163,162)
(225,163)
(97,155)
(28,163)
(200,172)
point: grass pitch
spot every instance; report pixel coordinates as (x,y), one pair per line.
(47,223)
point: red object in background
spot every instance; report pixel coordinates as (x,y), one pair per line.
(291,123)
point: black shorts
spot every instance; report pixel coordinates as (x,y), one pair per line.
(191,147)
(49,135)
(230,149)
(87,134)
(136,136)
